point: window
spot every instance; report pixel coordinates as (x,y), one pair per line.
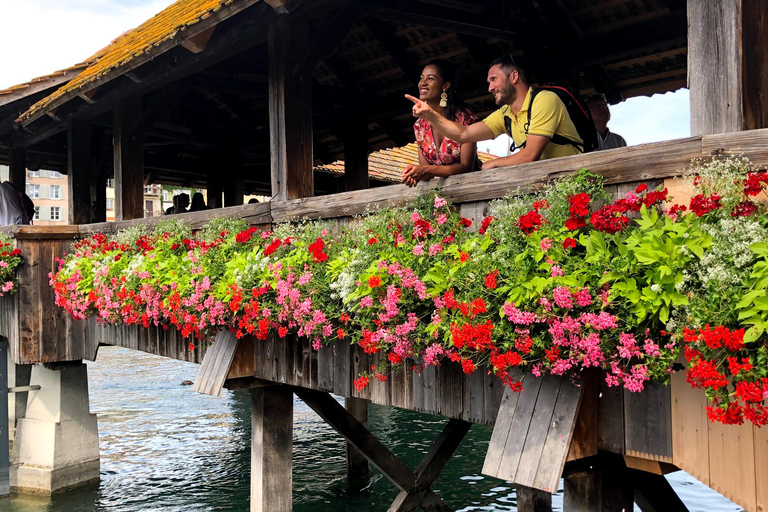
(54,174)
(110,183)
(110,203)
(55,213)
(33,191)
(55,192)
(37,213)
(34,174)
(165,196)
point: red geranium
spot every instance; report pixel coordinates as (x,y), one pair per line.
(701,204)
(569,243)
(530,222)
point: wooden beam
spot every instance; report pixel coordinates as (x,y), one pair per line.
(128,161)
(327,40)
(396,49)
(654,494)
(162,101)
(357,464)
(290,114)
(216,364)
(198,42)
(432,464)
(18,168)
(605,486)
(271,445)
(79,172)
(5,477)
(358,436)
(532,500)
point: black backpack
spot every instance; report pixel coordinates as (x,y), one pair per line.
(580,115)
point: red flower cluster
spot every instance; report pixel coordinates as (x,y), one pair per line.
(316,250)
(474,337)
(244,236)
(753,185)
(744,209)
(610,218)
(374,281)
(490,280)
(569,243)
(701,205)
(486,224)
(530,222)
(579,211)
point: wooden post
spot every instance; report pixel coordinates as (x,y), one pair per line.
(18,169)
(605,486)
(727,66)
(357,464)
(356,153)
(233,187)
(215,190)
(271,444)
(5,481)
(533,500)
(290,113)
(129,161)
(79,172)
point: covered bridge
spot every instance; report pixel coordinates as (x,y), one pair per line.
(241,96)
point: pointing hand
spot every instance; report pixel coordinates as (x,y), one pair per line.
(420,108)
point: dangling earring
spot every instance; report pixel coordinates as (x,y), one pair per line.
(444,99)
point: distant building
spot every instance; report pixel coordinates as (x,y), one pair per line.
(153,204)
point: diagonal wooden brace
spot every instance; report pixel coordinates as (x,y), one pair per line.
(414,487)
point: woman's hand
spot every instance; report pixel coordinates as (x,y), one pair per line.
(412,174)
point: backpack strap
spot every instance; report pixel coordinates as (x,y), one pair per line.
(556,138)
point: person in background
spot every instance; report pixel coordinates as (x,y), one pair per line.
(508,82)
(601,114)
(11,209)
(198,203)
(180,203)
(439,156)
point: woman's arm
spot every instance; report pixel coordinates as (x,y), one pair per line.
(416,173)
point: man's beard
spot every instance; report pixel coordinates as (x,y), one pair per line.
(508,95)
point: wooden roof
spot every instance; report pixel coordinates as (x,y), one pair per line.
(203,101)
(174,25)
(387,164)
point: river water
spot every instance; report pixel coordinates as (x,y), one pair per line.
(167,448)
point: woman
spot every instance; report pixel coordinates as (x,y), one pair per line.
(440,156)
(198,203)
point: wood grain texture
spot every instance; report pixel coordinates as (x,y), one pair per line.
(732,463)
(690,429)
(754,63)
(128,161)
(713,43)
(761,468)
(648,422)
(271,449)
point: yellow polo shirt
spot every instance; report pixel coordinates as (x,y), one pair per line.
(549,117)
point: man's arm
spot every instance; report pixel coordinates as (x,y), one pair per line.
(454,131)
(532,151)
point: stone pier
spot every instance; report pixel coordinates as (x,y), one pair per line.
(56,443)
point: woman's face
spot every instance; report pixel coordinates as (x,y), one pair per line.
(430,84)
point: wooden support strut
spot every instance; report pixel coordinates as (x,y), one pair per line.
(128,162)
(415,487)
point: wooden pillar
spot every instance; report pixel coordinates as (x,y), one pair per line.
(532,500)
(271,445)
(79,172)
(356,152)
(129,161)
(5,479)
(290,113)
(233,188)
(605,487)
(727,66)
(215,190)
(357,464)
(18,169)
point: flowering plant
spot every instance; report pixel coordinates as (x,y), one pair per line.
(10,260)
(552,283)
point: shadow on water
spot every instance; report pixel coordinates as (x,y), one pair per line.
(166,448)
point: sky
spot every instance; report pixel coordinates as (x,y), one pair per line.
(42,36)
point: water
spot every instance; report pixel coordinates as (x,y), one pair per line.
(164,447)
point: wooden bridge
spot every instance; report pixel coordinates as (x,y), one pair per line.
(605,442)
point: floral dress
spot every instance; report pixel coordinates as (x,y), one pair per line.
(450,150)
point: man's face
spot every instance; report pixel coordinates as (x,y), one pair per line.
(500,85)
(599,110)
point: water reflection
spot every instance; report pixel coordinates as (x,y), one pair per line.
(164,447)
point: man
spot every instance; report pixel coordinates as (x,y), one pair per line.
(180,203)
(601,114)
(509,85)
